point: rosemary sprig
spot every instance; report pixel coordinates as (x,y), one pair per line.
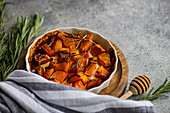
(80,41)
(15,40)
(164,88)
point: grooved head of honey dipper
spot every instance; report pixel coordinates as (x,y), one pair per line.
(140,84)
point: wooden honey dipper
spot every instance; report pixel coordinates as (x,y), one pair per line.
(138,86)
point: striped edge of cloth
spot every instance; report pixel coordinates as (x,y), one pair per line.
(28,92)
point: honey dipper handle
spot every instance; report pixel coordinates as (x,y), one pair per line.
(126,95)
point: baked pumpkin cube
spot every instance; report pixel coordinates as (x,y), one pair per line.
(45,48)
(48,72)
(78,66)
(57,45)
(64,50)
(96,49)
(93,83)
(68,84)
(62,57)
(42,58)
(69,44)
(75,54)
(104,59)
(53,62)
(62,36)
(90,69)
(93,60)
(86,44)
(40,71)
(79,85)
(63,66)
(84,77)
(59,76)
(73,77)
(86,55)
(102,73)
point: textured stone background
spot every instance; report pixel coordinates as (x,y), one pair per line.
(140,28)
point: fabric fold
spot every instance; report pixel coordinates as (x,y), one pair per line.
(30,92)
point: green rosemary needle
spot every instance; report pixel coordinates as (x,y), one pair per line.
(16,39)
(164,88)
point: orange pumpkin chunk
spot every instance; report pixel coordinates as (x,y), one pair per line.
(48,72)
(53,62)
(62,67)
(96,49)
(57,45)
(84,77)
(69,44)
(64,50)
(59,76)
(90,69)
(80,67)
(61,36)
(104,59)
(102,73)
(74,77)
(93,60)
(75,54)
(93,83)
(79,85)
(85,44)
(42,59)
(45,48)
(41,71)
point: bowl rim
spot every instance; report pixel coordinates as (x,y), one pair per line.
(100,87)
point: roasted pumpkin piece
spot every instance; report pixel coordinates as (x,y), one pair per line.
(64,50)
(61,36)
(40,71)
(74,78)
(53,62)
(55,33)
(86,44)
(48,72)
(104,59)
(93,83)
(79,85)
(70,75)
(63,66)
(79,66)
(90,69)
(75,55)
(102,73)
(69,43)
(45,48)
(41,58)
(84,77)
(68,84)
(86,56)
(57,45)
(62,57)
(59,76)
(54,80)
(93,60)
(96,49)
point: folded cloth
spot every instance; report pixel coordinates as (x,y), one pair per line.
(28,92)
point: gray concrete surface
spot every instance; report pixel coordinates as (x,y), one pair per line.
(140,28)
